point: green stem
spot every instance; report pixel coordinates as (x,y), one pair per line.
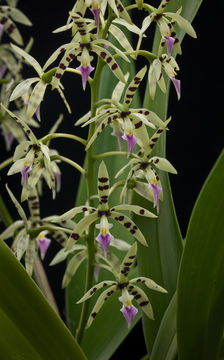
(49,137)
(6,163)
(90,188)
(68,161)
(113,153)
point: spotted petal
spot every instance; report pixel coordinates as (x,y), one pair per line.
(79,228)
(73,266)
(163,164)
(136,209)
(71,213)
(22,241)
(129,225)
(30,256)
(142,299)
(35,98)
(100,301)
(93,289)
(183,23)
(133,86)
(128,260)
(110,61)
(149,283)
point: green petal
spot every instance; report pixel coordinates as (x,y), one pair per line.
(11,229)
(21,149)
(30,256)
(30,59)
(183,23)
(128,261)
(74,211)
(133,86)
(142,300)
(110,61)
(72,267)
(163,164)
(120,37)
(101,300)
(22,88)
(35,98)
(22,241)
(17,205)
(129,225)
(149,283)
(93,289)
(136,209)
(19,17)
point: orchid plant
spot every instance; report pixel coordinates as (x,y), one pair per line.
(121,236)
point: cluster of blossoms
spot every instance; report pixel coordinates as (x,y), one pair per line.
(140,127)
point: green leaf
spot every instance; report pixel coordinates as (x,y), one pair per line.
(165,345)
(160,261)
(200,316)
(29,327)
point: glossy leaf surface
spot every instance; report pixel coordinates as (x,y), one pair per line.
(30,329)
(200,316)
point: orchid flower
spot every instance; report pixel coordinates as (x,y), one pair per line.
(104,213)
(155,76)
(44,79)
(128,289)
(31,158)
(166,22)
(143,165)
(125,120)
(7,25)
(82,45)
(25,245)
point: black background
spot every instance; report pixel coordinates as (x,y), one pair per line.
(195,138)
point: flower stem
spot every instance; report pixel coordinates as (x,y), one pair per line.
(49,137)
(68,161)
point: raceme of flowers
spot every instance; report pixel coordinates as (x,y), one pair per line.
(93,24)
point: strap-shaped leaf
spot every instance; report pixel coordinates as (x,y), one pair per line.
(200,294)
(22,296)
